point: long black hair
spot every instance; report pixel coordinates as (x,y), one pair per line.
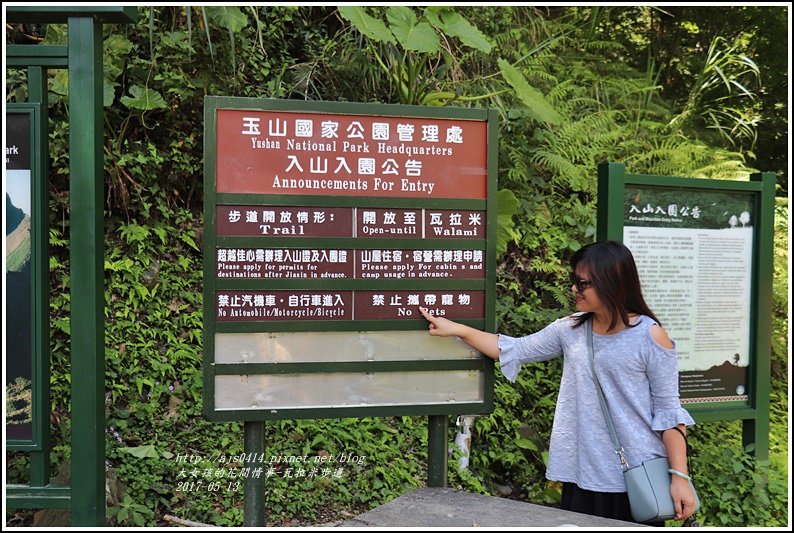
(611,268)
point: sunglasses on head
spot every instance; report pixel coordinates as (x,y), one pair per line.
(581,284)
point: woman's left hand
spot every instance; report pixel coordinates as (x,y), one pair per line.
(683,498)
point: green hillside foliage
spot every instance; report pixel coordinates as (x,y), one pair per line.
(19,258)
(13,214)
(573,87)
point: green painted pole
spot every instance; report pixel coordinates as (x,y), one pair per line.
(254,487)
(40,460)
(756,430)
(609,209)
(86,218)
(437,429)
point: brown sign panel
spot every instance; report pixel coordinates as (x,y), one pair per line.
(419,264)
(290,222)
(371,222)
(297,222)
(283,263)
(267,306)
(303,153)
(298,305)
(424,223)
(286,263)
(454,223)
(394,305)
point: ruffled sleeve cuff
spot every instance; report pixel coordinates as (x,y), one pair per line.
(508,357)
(670,418)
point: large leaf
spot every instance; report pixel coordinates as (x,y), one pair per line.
(59,83)
(141,451)
(538,107)
(117,49)
(526,444)
(57,34)
(108,93)
(143,98)
(373,28)
(400,16)
(433,14)
(228,17)
(455,25)
(507,206)
(420,37)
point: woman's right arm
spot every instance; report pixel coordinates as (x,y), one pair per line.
(486,343)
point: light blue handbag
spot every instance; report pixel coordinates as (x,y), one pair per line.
(648,484)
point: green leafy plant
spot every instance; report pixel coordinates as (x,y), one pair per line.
(734,488)
(717,94)
(412,53)
(130,513)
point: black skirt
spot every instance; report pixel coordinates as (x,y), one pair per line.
(606,504)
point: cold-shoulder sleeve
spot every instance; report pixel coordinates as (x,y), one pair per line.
(662,370)
(541,346)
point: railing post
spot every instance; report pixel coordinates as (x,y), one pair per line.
(86,259)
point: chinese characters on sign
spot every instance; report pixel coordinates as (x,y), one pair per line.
(257,306)
(270,152)
(424,223)
(237,220)
(253,306)
(671,211)
(390,305)
(419,264)
(283,263)
(262,263)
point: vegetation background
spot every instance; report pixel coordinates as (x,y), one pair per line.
(689,91)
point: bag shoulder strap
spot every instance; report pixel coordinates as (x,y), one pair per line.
(610,425)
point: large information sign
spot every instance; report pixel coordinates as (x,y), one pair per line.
(327,226)
(25,277)
(694,252)
(703,252)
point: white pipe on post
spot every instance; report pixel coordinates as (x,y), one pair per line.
(463,439)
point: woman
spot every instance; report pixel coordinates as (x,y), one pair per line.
(636,364)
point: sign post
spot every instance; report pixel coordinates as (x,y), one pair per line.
(327,225)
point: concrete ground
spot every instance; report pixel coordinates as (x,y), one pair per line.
(443,507)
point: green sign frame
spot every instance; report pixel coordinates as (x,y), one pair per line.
(39,277)
(83,58)
(614,183)
(213,199)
